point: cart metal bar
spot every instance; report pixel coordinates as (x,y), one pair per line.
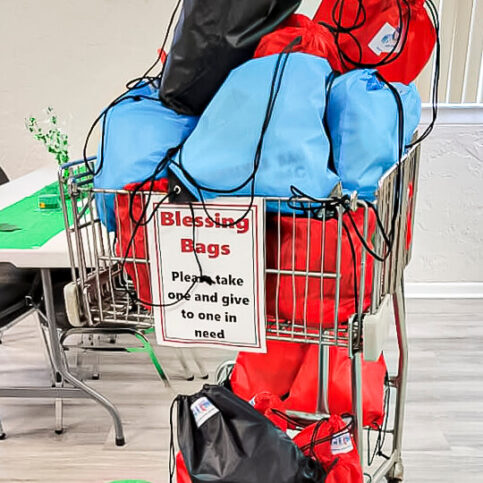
(401,379)
(301,273)
(44,393)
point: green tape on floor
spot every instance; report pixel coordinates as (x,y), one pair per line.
(35,226)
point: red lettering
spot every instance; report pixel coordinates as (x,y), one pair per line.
(188,221)
(166,218)
(186,245)
(225,249)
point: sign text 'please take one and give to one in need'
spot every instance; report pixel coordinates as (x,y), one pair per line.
(230,309)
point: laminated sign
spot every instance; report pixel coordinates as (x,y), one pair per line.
(226,307)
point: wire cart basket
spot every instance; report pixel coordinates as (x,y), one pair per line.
(99,296)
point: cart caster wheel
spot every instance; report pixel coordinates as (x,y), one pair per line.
(204,377)
(394,480)
(3,436)
(120,441)
(59,431)
(191,378)
(95,377)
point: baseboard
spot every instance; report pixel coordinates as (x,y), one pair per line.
(444,290)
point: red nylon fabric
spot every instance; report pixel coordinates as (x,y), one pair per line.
(273,372)
(308,302)
(315,39)
(421,34)
(138,272)
(182,475)
(341,462)
(265,402)
(303,393)
(290,368)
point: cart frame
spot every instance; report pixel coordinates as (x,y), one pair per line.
(101,299)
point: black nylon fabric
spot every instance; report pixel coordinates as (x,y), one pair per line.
(211,38)
(239,445)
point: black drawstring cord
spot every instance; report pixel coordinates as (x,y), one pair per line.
(436,75)
(344,430)
(354,267)
(274,91)
(141,222)
(172,452)
(337,29)
(138,83)
(382,430)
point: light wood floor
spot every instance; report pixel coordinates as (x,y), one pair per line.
(444,415)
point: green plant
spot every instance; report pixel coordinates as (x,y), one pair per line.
(56,141)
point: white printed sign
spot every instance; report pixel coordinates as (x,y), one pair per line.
(385,40)
(229,310)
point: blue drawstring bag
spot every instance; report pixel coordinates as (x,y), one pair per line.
(138,132)
(219,155)
(362,119)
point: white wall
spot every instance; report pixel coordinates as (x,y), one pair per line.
(448,238)
(76,55)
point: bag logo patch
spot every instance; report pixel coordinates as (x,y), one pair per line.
(341,443)
(385,40)
(203,409)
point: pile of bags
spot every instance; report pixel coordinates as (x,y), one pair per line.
(223,438)
(256,100)
(327,123)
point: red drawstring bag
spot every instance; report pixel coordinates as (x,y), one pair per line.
(138,272)
(182,475)
(315,39)
(308,289)
(274,371)
(330,442)
(303,394)
(377,33)
(269,404)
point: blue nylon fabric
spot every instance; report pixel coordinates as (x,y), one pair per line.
(220,152)
(362,120)
(137,136)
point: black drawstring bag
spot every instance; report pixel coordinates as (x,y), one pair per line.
(223,438)
(211,38)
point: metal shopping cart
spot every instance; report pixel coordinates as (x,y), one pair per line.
(100,296)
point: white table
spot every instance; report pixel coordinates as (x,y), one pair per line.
(53,254)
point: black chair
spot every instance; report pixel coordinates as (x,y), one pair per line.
(20,290)
(3,177)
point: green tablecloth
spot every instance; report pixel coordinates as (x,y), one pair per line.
(36,226)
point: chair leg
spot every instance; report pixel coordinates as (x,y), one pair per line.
(188,375)
(2,432)
(203,372)
(63,369)
(95,364)
(59,416)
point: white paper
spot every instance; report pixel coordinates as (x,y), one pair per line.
(231,311)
